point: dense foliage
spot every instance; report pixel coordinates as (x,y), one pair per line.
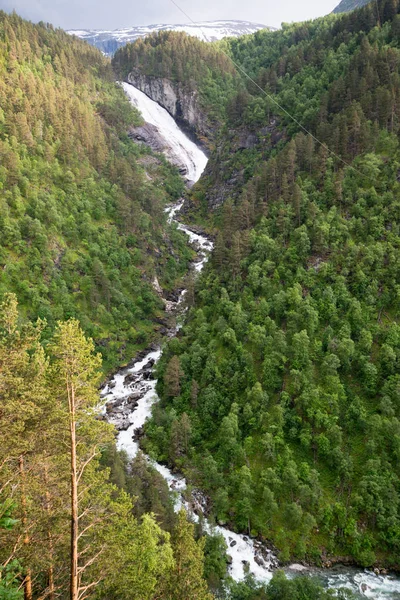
(82,228)
(281,396)
(280,588)
(51,444)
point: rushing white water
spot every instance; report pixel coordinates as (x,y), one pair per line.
(138,380)
(244,552)
(177,145)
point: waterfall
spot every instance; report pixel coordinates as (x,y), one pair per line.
(177,146)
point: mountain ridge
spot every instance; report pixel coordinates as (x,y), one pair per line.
(108,41)
(349,5)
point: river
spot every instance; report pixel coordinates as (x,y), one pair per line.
(131,393)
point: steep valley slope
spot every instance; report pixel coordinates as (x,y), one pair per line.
(287,371)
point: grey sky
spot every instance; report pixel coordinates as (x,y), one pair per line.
(112,14)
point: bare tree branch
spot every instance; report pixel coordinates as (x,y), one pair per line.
(83,590)
(85,464)
(91,561)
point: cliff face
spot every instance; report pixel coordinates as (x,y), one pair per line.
(181,103)
(224,178)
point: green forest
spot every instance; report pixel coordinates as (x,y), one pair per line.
(280,395)
(285,378)
(82,227)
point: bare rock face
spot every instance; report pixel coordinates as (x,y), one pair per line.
(148,134)
(220,163)
(181,102)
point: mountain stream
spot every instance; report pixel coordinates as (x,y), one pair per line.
(131,393)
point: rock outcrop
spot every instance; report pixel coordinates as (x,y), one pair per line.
(149,135)
(181,102)
(224,179)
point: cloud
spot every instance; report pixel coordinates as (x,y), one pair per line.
(112,14)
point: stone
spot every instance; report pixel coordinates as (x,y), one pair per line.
(131,378)
(123,425)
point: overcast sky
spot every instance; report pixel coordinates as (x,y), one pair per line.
(112,14)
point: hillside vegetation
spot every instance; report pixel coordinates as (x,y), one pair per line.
(82,228)
(281,397)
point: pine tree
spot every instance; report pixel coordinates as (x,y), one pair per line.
(173,376)
(186,579)
(75,378)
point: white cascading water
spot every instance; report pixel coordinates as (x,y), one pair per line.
(246,554)
(178,145)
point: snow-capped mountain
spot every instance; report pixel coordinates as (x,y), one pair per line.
(209,31)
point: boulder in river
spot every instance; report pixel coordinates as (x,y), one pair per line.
(149,365)
(122,425)
(131,378)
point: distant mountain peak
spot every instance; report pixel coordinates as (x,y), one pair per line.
(348,5)
(108,41)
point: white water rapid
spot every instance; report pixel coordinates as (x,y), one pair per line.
(130,395)
(178,147)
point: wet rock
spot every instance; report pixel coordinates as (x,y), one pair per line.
(117,410)
(116,403)
(259,560)
(123,425)
(233,543)
(131,378)
(149,365)
(133,397)
(229,559)
(130,407)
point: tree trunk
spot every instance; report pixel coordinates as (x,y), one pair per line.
(74,500)
(50,571)
(28,574)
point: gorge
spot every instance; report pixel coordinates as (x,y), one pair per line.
(200,312)
(138,382)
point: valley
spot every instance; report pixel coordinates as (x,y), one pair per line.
(135,381)
(199,310)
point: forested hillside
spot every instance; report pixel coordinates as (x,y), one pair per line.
(82,228)
(280,398)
